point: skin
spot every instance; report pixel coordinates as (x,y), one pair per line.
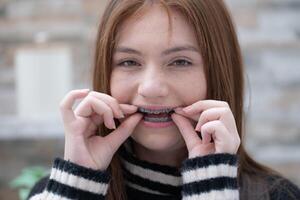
(173,80)
(151,78)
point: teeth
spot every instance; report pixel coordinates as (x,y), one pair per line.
(161,119)
(144,110)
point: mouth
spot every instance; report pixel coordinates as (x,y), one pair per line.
(156,115)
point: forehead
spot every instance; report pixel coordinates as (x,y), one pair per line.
(153,26)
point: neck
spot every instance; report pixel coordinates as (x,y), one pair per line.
(172,158)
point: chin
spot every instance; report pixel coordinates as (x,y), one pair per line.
(166,139)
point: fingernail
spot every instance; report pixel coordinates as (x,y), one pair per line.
(121,115)
(173,115)
(113,125)
(85,90)
(197,128)
(134,106)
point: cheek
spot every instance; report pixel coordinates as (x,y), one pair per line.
(192,88)
(198,90)
(120,87)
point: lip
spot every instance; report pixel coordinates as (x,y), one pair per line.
(157,125)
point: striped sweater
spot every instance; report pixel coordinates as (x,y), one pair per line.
(209,177)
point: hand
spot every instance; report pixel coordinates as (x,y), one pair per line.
(216,124)
(82,145)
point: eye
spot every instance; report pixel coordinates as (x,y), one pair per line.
(181,62)
(127,63)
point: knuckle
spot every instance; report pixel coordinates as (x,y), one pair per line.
(202,118)
(205,113)
(204,128)
(218,123)
(93,93)
(238,141)
(115,101)
(69,95)
(226,110)
(90,99)
(225,103)
(61,105)
(72,92)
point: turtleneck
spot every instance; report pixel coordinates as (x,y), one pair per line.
(146,178)
(207,177)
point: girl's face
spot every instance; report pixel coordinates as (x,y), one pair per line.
(154,68)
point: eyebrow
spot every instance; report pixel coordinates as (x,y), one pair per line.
(166,52)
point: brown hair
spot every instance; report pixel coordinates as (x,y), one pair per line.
(218,43)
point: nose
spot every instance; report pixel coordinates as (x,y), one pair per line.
(153,85)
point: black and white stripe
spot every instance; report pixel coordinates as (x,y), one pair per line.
(71,181)
(210,177)
(148,177)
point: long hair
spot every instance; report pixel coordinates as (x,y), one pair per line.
(217,41)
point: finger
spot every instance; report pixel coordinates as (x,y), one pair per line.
(224,140)
(202,150)
(180,111)
(215,130)
(223,114)
(118,136)
(128,109)
(67,103)
(112,102)
(90,105)
(206,138)
(96,119)
(186,129)
(210,115)
(202,105)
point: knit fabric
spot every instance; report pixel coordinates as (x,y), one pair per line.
(71,181)
(208,177)
(211,177)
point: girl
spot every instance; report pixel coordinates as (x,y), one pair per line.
(165,117)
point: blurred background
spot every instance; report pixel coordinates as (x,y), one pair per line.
(46,49)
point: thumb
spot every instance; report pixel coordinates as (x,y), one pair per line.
(118,136)
(128,109)
(187,131)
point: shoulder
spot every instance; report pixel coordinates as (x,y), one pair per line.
(282,188)
(266,185)
(39,186)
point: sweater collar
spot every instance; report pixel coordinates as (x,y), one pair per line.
(149,177)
